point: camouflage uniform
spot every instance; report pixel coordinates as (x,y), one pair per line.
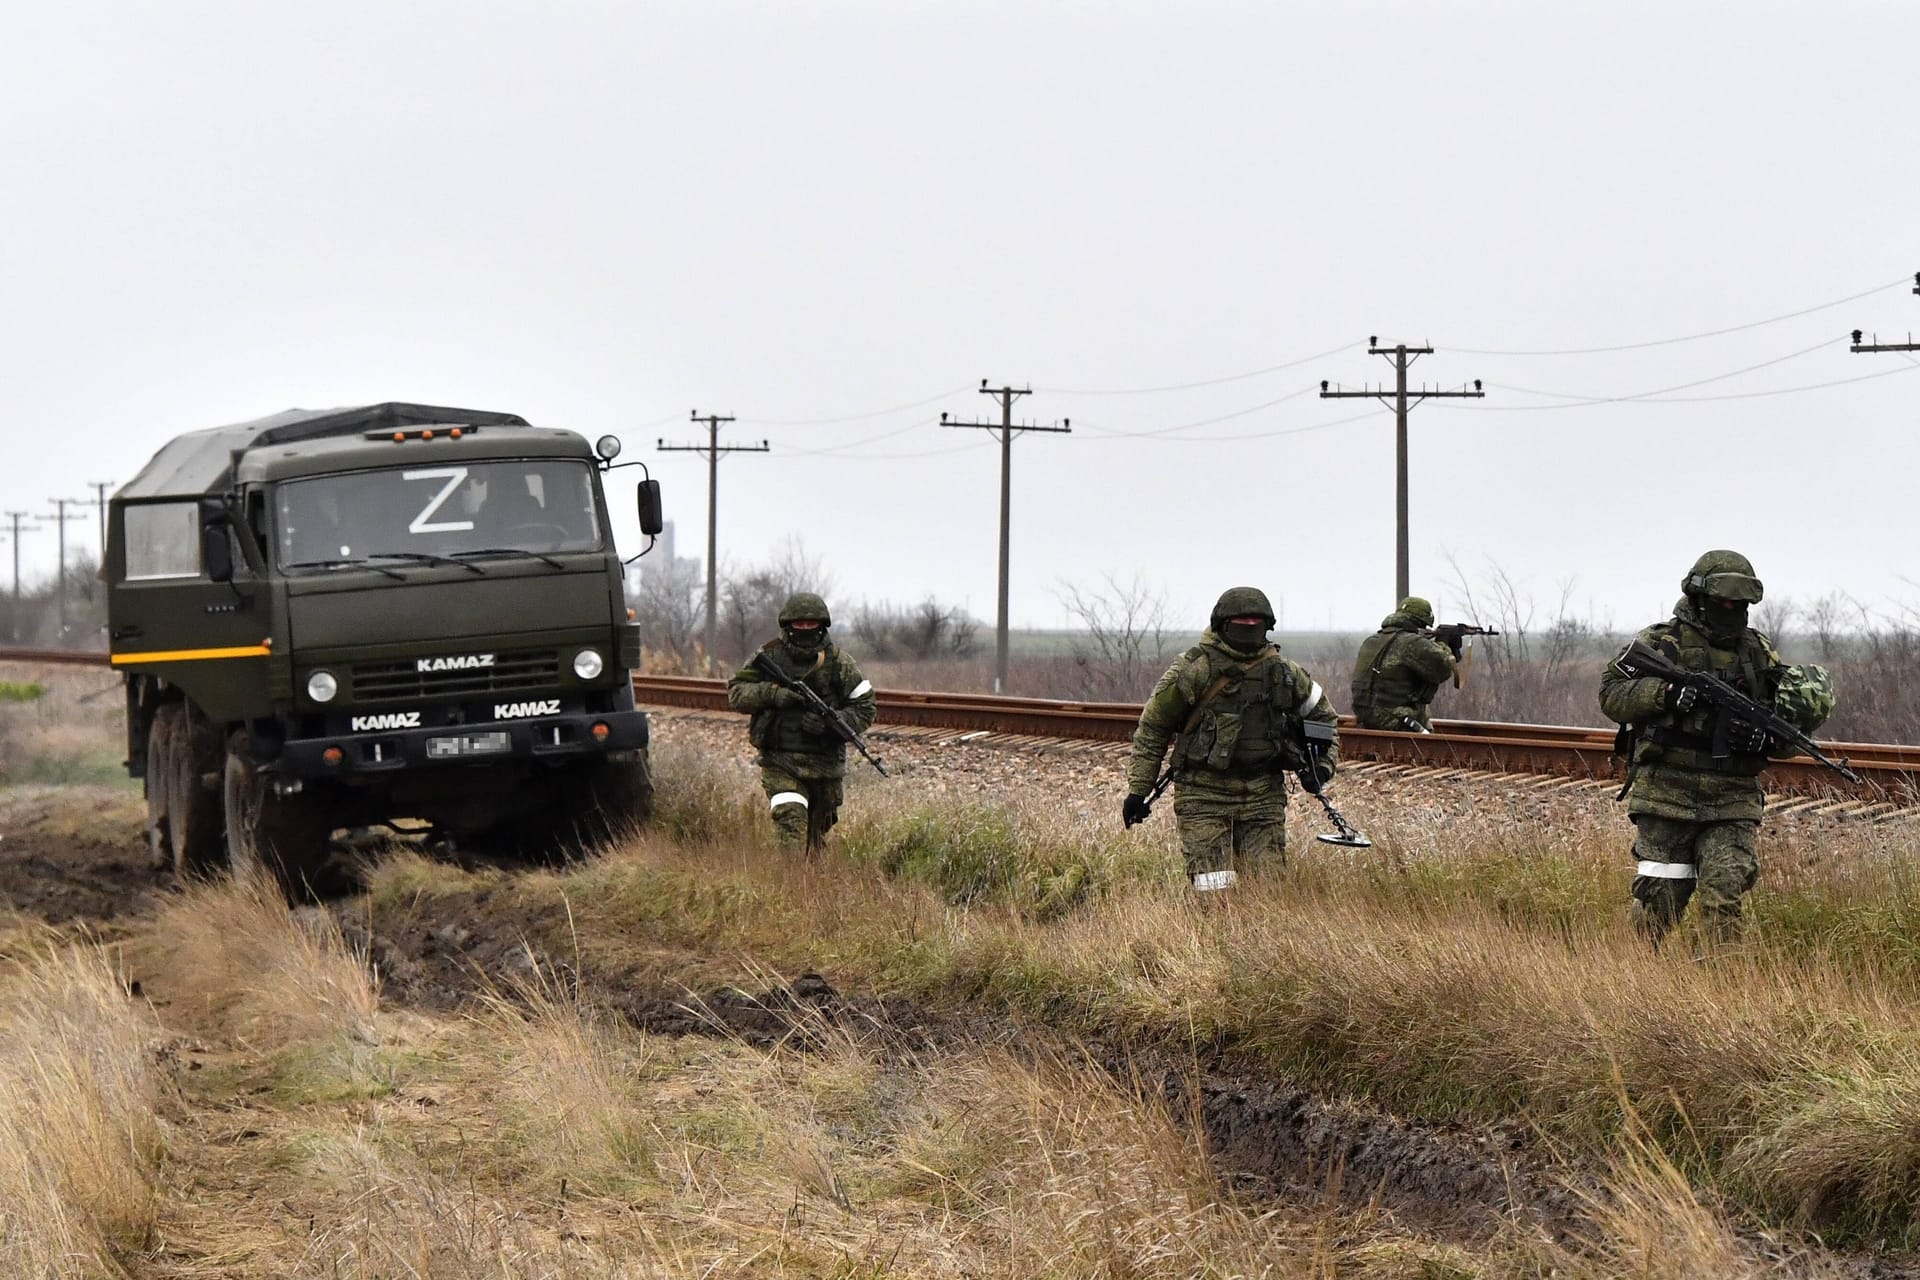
(1697,816)
(1399,669)
(1233,713)
(803,762)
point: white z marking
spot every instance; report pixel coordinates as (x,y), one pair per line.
(424,522)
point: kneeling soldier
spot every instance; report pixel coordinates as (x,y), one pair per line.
(1234,707)
(803,762)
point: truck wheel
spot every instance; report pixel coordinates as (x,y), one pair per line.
(615,798)
(286,837)
(190,812)
(161,731)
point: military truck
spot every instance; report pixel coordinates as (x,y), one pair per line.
(334,619)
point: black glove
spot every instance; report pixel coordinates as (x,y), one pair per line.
(784,697)
(1745,739)
(814,723)
(1314,776)
(1681,696)
(1449,636)
(1134,809)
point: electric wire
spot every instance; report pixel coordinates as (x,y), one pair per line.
(1690,337)
(1576,401)
(1203,422)
(1192,386)
(1730,395)
(856,417)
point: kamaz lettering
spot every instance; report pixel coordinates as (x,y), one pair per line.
(385,720)
(521,710)
(465,662)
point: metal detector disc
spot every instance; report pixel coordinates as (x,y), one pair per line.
(1354,841)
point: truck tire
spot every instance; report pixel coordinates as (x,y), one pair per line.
(285,837)
(613,799)
(161,730)
(190,811)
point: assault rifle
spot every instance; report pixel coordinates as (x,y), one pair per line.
(1451,636)
(1643,662)
(818,705)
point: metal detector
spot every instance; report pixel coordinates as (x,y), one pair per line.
(1318,737)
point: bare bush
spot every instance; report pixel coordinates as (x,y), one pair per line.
(1127,642)
(926,632)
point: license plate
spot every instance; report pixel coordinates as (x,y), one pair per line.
(469,744)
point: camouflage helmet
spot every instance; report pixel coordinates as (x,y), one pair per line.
(805,606)
(1723,575)
(1805,696)
(1241,602)
(1417,609)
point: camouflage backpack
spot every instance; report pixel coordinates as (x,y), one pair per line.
(1805,696)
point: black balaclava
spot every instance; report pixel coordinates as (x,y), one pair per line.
(1243,636)
(804,644)
(1725,619)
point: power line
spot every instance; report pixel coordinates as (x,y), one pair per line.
(1576,401)
(17,517)
(1730,395)
(856,417)
(1401,357)
(713,450)
(100,488)
(1207,422)
(1192,386)
(60,517)
(1006,431)
(1689,337)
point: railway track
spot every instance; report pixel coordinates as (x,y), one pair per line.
(1890,774)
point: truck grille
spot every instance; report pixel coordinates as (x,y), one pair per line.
(400,681)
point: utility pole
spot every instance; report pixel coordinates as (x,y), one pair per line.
(60,517)
(1860,347)
(100,488)
(18,529)
(1007,431)
(713,449)
(1401,357)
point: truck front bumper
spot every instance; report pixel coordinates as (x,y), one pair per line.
(553,738)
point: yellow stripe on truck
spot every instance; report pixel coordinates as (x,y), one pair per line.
(192,655)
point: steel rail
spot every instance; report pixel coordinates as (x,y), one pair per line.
(1891,772)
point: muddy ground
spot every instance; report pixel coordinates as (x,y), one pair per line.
(74,858)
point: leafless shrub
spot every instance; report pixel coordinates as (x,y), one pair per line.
(1127,642)
(925,632)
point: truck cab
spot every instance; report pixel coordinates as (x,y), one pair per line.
(334,619)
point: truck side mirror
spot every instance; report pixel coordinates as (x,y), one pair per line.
(216,552)
(651,519)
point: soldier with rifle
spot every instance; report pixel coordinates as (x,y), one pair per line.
(808,703)
(1403,665)
(1703,701)
(1238,715)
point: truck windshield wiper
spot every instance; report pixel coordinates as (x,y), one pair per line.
(424,557)
(345,563)
(508,551)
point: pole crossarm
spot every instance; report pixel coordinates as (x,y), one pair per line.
(1866,348)
(1006,430)
(714,451)
(1402,400)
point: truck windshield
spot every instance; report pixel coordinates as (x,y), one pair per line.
(536,505)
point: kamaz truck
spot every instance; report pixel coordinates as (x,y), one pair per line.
(332,620)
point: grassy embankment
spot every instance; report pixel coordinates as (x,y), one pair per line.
(1467,969)
(61,725)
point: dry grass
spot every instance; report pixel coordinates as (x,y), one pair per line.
(61,724)
(80,1141)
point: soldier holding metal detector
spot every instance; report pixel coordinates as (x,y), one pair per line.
(809,703)
(1240,717)
(1703,701)
(1403,665)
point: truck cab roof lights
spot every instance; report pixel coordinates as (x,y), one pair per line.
(425,433)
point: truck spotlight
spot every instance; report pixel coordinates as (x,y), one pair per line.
(321,686)
(607,447)
(588,664)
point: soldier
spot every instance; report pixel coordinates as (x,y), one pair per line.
(1401,667)
(1234,708)
(803,762)
(1694,793)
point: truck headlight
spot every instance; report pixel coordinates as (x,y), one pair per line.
(321,686)
(588,664)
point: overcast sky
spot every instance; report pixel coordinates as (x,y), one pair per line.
(605,215)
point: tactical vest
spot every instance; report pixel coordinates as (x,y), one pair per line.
(1687,740)
(1379,681)
(1251,725)
(778,729)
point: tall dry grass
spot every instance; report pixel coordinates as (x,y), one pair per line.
(80,1139)
(1475,968)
